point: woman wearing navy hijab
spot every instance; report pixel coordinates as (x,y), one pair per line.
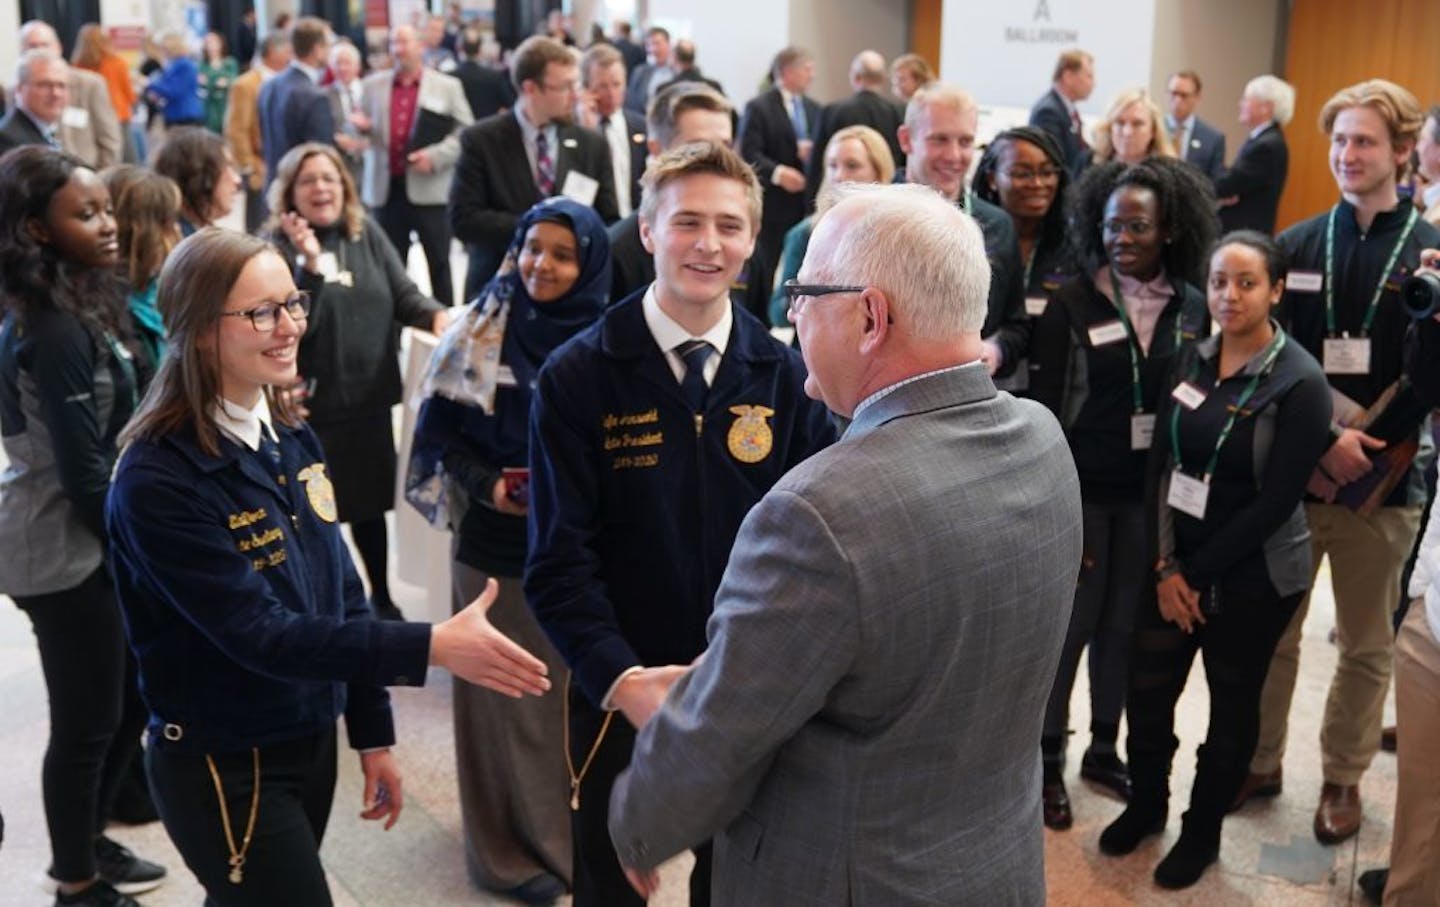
(468,472)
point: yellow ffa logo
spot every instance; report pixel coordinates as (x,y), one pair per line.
(750,438)
(319,490)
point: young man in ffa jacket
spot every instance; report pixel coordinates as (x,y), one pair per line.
(653,433)
(1342,302)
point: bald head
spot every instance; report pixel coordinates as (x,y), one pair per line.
(407,49)
(867,70)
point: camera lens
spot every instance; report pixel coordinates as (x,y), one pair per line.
(1421,295)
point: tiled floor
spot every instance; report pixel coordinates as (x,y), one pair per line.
(1268,854)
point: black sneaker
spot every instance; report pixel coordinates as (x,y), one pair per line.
(101,894)
(122,869)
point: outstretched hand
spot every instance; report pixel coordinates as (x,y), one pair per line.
(469,646)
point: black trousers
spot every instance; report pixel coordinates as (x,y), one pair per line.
(95,715)
(1236,644)
(398,217)
(599,880)
(282,865)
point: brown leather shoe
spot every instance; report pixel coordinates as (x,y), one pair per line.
(1267,785)
(1387,738)
(1056,806)
(1338,815)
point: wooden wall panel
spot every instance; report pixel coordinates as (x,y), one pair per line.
(925,30)
(1334,43)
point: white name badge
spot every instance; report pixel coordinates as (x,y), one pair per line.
(1305,281)
(75,117)
(329,266)
(580,187)
(1107,332)
(1142,431)
(1346,355)
(1188,395)
(1188,495)
(1035,305)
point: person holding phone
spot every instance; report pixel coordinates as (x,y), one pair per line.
(1244,420)
(241,602)
(350,354)
(468,472)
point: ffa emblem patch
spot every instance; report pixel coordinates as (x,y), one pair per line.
(750,438)
(320,492)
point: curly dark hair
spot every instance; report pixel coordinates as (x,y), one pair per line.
(195,158)
(1052,231)
(1186,207)
(33,277)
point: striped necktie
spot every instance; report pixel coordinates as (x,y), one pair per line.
(544,166)
(694,353)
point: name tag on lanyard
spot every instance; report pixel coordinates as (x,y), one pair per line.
(1142,430)
(1188,395)
(1188,495)
(1107,332)
(1346,355)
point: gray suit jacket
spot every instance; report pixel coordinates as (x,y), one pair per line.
(440,94)
(864,727)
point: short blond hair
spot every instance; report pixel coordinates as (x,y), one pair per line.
(936,94)
(1402,113)
(876,149)
(695,159)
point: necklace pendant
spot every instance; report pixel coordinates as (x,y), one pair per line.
(575,801)
(237,871)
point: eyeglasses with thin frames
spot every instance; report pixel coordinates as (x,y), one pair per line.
(265,316)
(795,292)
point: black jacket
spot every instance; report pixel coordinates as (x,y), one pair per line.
(1051,115)
(863,108)
(1257,176)
(488,90)
(17,129)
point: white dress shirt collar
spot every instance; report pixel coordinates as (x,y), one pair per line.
(243,425)
(884,392)
(669,334)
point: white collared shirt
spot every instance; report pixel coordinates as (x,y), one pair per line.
(617,136)
(1259,129)
(884,392)
(668,335)
(243,425)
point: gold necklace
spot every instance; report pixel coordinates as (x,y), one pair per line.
(575,778)
(237,857)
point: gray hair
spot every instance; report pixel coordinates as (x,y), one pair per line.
(1277,91)
(937,94)
(923,252)
(29,27)
(25,67)
(868,68)
(343,48)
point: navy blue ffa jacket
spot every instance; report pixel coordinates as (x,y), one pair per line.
(246,615)
(635,501)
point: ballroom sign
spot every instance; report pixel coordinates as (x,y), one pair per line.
(1004,53)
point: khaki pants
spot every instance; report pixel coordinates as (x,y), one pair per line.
(1367,554)
(1415,845)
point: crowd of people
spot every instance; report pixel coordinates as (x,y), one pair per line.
(1069,394)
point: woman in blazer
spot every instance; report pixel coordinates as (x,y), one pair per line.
(1098,358)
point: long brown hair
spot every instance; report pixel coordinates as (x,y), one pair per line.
(147,214)
(92,46)
(194,284)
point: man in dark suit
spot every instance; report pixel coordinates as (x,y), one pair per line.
(890,615)
(487,89)
(623,130)
(1249,191)
(41,90)
(1196,141)
(1055,112)
(938,135)
(868,106)
(293,106)
(686,70)
(633,53)
(658,68)
(510,161)
(679,115)
(246,38)
(777,132)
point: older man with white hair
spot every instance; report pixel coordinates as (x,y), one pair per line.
(892,611)
(88,127)
(1249,192)
(40,95)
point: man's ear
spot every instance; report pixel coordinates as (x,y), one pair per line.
(903,134)
(877,319)
(646,239)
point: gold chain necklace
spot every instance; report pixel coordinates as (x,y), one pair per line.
(575,778)
(237,857)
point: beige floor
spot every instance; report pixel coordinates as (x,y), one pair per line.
(1268,854)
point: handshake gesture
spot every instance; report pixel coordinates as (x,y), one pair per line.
(468,646)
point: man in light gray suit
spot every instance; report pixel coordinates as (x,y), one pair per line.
(863,726)
(407,183)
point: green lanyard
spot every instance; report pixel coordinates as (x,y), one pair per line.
(1271,353)
(1384,272)
(1133,341)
